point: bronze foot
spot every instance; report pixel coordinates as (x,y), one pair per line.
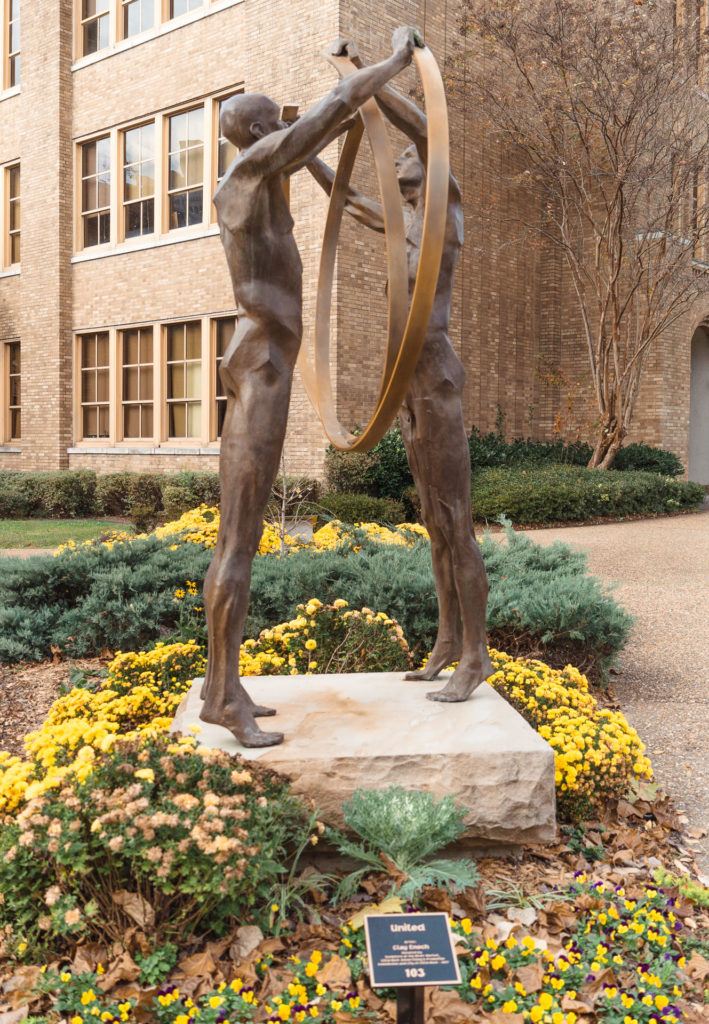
(240,721)
(257,710)
(441,657)
(460,685)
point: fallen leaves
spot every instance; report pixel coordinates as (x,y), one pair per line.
(136,907)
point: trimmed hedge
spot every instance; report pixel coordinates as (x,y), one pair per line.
(542,600)
(142,497)
(550,494)
(361,508)
(58,495)
(384,472)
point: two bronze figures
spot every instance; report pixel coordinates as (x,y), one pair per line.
(422,378)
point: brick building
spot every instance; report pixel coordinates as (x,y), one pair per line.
(115,299)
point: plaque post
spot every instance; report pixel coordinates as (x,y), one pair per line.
(409,1005)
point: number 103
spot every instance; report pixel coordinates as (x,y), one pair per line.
(415,972)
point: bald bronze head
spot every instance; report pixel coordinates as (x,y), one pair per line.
(411,174)
(248,117)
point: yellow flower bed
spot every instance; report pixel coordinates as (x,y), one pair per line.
(597,752)
(140,695)
(327,638)
(201,526)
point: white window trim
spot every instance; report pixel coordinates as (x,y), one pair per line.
(7,443)
(162,25)
(206,444)
(7,269)
(7,90)
(162,234)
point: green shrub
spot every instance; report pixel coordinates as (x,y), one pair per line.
(542,601)
(113,493)
(390,474)
(361,508)
(492,450)
(349,472)
(94,599)
(134,843)
(48,495)
(384,472)
(548,494)
(183,491)
(652,460)
(19,495)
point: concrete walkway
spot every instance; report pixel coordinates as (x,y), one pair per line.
(661,571)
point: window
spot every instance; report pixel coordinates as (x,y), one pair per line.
(137,358)
(11,46)
(14,391)
(184,379)
(178,7)
(186,168)
(226,151)
(138,15)
(139,181)
(96,191)
(94,385)
(13,214)
(224,330)
(95,25)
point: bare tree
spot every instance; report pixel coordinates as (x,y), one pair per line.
(605,104)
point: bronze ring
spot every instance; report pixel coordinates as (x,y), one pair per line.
(406,333)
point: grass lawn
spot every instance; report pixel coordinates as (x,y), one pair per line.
(49,533)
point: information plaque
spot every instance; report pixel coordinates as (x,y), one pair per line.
(410,949)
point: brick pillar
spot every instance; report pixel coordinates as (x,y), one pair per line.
(46,234)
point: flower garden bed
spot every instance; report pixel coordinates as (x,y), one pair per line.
(121,593)
(145,879)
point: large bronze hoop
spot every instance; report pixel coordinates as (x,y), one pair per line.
(407,325)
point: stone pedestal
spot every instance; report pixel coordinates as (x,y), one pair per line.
(372,730)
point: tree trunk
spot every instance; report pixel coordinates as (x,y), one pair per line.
(608,445)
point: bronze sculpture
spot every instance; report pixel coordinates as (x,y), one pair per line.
(257,369)
(432,415)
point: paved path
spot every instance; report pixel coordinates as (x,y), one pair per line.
(661,568)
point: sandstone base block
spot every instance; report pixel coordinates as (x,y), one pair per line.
(372,730)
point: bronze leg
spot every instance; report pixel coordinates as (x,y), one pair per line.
(258,372)
(435,434)
(447,647)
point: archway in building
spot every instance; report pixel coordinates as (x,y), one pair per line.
(698,468)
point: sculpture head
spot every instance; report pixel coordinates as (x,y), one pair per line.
(248,117)
(411,174)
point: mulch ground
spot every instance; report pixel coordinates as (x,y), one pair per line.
(26,694)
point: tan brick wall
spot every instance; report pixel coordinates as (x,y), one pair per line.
(513,315)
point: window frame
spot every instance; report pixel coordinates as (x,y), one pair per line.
(207,439)
(6,432)
(10,232)
(80,22)
(121,401)
(162,232)
(216,138)
(188,440)
(163,21)
(8,55)
(81,214)
(215,362)
(121,7)
(206,168)
(122,202)
(169,16)
(80,404)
